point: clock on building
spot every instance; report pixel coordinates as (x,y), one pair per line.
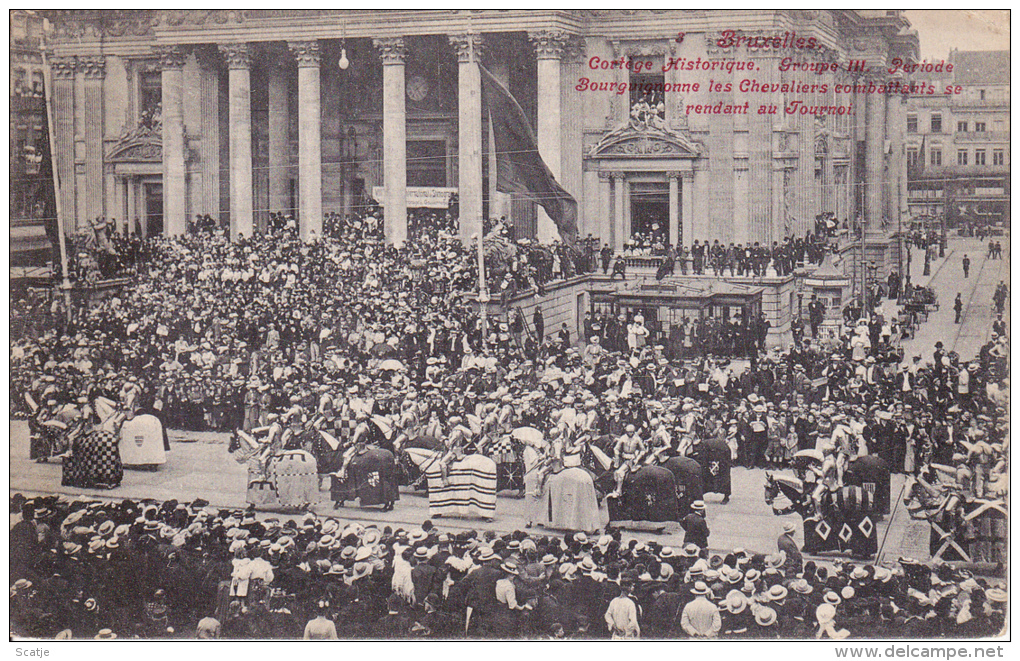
(417,88)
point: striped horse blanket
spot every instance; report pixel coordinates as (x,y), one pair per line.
(470,489)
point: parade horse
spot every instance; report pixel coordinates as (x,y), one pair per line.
(93,459)
(469,489)
(408,472)
(564,497)
(649,492)
(141,438)
(962,528)
(844,523)
(371,477)
(289,479)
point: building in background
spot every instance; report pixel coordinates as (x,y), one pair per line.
(958,144)
(161,115)
(33,224)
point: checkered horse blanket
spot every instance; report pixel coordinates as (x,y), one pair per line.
(94,462)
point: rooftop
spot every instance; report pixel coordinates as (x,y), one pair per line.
(981,67)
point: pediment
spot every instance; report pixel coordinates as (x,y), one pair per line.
(138,146)
(645,140)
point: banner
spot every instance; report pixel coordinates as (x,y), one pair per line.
(432,197)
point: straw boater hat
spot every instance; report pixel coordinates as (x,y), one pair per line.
(485,554)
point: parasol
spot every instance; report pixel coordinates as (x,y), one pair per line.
(528,435)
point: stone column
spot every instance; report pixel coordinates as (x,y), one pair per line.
(687,209)
(118,203)
(896,126)
(393,52)
(210,122)
(175,205)
(238,57)
(62,69)
(132,205)
(874,160)
(469,134)
(309,141)
(605,208)
(279,139)
(93,69)
(619,228)
(549,47)
(674,206)
(699,220)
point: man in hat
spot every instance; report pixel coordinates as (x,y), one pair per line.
(479,588)
(701,618)
(786,544)
(695,526)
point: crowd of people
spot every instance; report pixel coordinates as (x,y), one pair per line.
(225,336)
(735,260)
(82,568)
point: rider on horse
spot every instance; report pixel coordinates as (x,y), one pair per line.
(660,443)
(358,443)
(459,437)
(551,460)
(630,448)
(826,478)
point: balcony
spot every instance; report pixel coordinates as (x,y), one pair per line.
(935,171)
(959,101)
(981,136)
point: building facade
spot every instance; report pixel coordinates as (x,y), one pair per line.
(31,183)
(958,144)
(650,119)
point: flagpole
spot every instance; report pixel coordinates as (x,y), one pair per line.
(65,284)
(483,290)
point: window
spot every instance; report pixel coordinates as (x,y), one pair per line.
(936,123)
(911,123)
(37,84)
(647,96)
(979,157)
(961,157)
(936,156)
(961,127)
(913,157)
(998,157)
(150,97)
(981,95)
(979,127)
(20,76)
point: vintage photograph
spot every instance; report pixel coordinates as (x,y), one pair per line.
(515,324)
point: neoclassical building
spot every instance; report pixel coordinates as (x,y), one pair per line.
(161,115)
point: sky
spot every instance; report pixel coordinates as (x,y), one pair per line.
(968,29)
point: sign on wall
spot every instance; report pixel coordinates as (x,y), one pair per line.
(432,197)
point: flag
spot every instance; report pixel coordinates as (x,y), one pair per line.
(519,166)
(916,170)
